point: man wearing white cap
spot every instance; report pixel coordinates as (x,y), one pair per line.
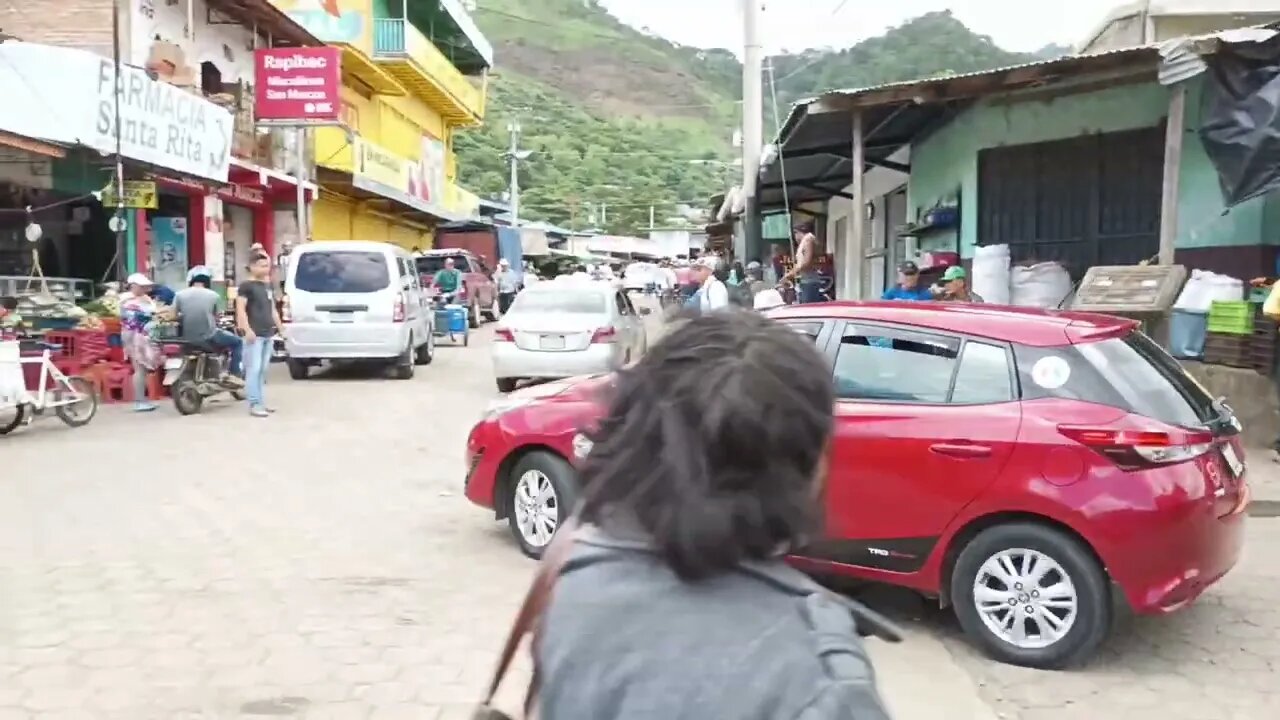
(137,310)
(508,282)
(714,294)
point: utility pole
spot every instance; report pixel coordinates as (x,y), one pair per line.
(752,123)
(514,156)
(118,223)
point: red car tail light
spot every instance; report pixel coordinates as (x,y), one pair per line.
(605,335)
(398,314)
(286,311)
(503,335)
(1137,449)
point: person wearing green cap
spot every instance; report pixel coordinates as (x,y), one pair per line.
(955,286)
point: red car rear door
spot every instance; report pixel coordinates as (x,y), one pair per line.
(924,422)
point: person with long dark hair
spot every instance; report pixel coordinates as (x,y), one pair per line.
(674,601)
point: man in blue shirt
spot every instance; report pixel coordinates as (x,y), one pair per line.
(908,287)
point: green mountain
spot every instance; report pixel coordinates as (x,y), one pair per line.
(933,44)
(621,118)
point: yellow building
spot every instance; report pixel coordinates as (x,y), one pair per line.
(413,72)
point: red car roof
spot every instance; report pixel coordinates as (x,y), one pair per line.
(1029,326)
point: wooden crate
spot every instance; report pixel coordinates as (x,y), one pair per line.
(1229,350)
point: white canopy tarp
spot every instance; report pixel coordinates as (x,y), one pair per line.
(533,242)
(620,245)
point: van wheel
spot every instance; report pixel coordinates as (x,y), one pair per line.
(543,490)
(403,369)
(1032,595)
(427,351)
(506,385)
(298,370)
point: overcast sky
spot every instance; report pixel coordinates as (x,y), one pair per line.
(797,24)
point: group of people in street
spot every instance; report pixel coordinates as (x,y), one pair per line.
(196,310)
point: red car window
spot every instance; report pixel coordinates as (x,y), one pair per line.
(876,363)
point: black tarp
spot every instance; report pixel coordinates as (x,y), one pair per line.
(1240,119)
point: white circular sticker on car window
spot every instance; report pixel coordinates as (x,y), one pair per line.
(1050,372)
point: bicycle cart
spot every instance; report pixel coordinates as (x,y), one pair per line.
(451,322)
(72,398)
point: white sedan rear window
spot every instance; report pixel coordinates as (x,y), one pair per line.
(561,300)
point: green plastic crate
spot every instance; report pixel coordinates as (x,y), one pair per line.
(1232,317)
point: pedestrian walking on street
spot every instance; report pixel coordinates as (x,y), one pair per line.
(671,597)
(258,320)
(508,283)
(711,289)
(137,311)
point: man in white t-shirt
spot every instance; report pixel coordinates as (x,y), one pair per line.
(714,294)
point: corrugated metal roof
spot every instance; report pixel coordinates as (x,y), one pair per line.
(1182,57)
(977,73)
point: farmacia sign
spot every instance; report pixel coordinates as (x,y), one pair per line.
(162,124)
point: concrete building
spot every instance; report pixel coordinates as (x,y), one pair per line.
(1152,21)
(413,74)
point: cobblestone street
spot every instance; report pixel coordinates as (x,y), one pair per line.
(323,563)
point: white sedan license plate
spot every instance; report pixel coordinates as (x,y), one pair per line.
(1233,460)
(552,342)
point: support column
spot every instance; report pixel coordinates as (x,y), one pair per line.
(854,239)
(197,251)
(1173,135)
(133,217)
(264,228)
(141,241)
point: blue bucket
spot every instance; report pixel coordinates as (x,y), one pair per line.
(1187,333)
(457,315)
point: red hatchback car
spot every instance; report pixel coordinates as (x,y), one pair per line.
(1026,467)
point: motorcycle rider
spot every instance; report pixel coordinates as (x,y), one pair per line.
(197,310)
(449,282)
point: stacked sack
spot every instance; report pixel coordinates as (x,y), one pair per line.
(991,276)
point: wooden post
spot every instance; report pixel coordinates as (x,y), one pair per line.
(1173,134)
(857,214)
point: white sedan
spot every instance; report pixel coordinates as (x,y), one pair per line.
(563,329)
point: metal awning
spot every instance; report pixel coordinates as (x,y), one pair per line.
(463,20)
(816,142)
(389,200)
(359,66)
(269,20)
(33,146)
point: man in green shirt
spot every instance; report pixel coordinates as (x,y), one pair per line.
(448,281)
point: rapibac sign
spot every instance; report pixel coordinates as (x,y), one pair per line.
(297,85)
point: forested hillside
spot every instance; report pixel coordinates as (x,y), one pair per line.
(620,118)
